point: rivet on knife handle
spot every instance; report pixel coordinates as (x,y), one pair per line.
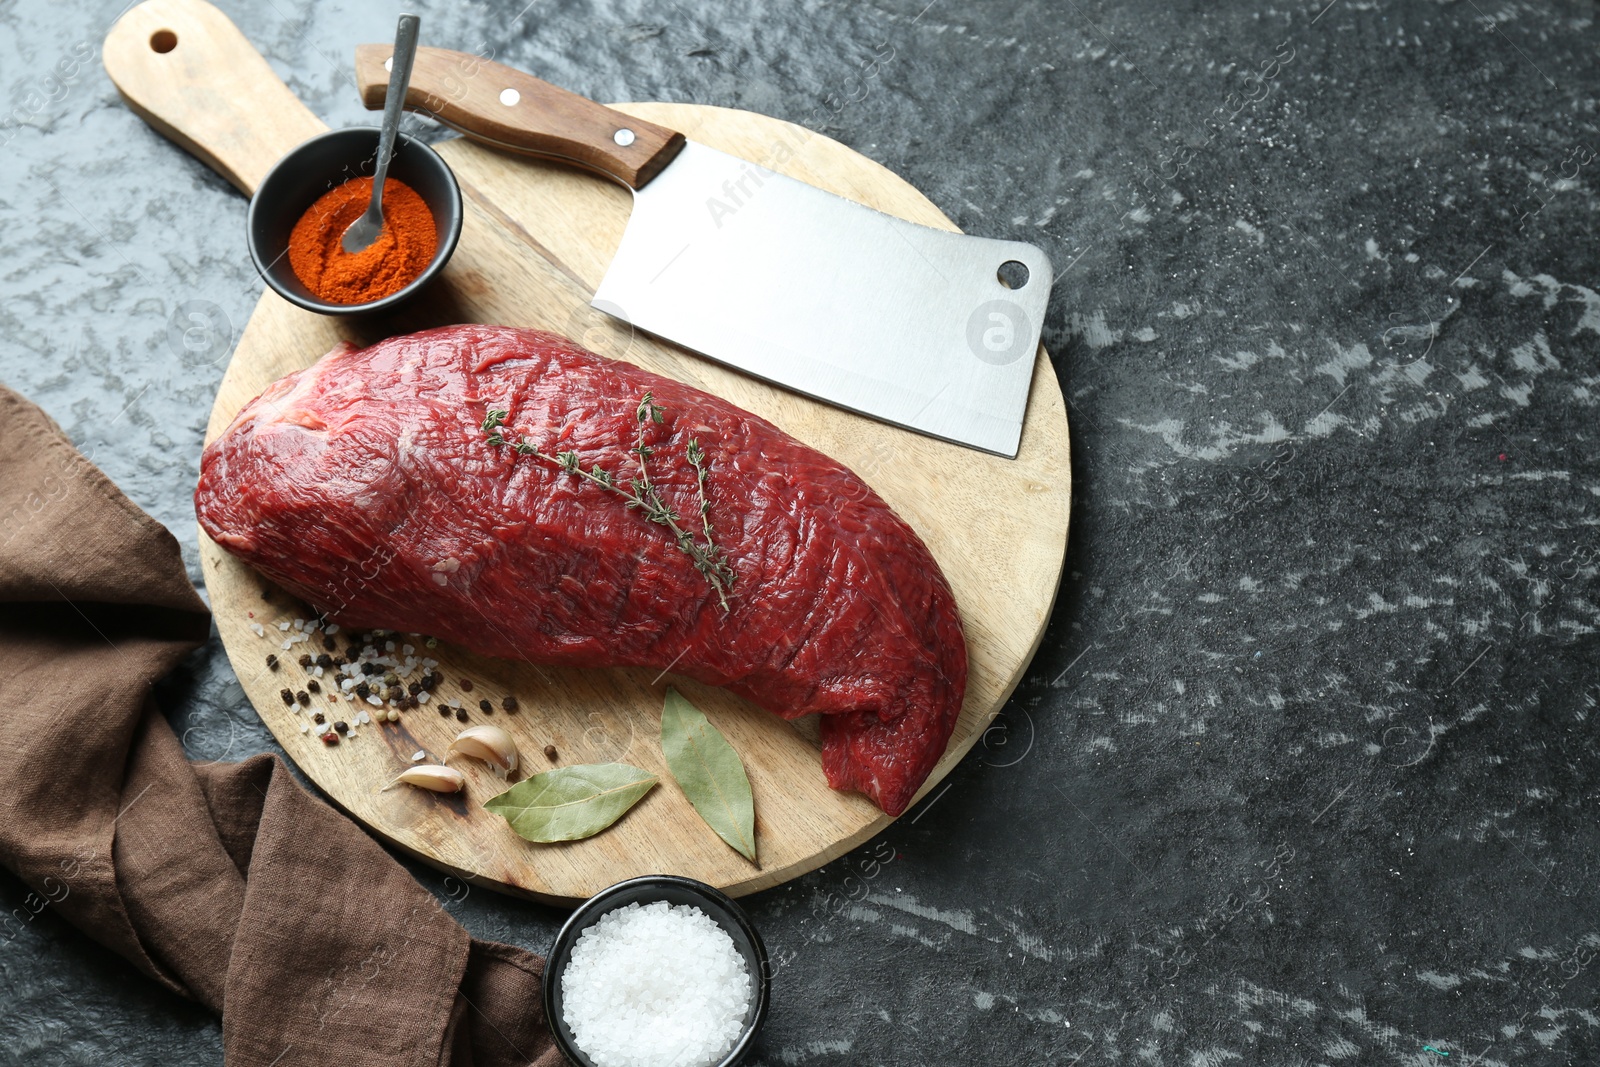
(513,110)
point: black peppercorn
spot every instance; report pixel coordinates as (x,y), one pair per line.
(414,688)
(314,686)
(319,718)
(303,697)
(394,692)
(272,663)
(363,690)
(329,643)
(369,668)
(461,714)
(550,753)
(342,726)
(304,660)
(510,704)
(445,709)
(324,661)
(287,695)
(486,707)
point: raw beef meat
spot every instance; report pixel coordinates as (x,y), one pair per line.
(368,486)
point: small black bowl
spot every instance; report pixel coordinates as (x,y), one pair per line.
(647,890)
(330,160)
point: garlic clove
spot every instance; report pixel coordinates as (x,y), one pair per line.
(488,743)
(432,776)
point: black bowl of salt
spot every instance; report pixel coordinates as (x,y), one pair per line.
(658,971)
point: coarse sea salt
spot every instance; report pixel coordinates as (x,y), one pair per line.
(655,985)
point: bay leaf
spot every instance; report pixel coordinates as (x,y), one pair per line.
(709,772)
(571,803)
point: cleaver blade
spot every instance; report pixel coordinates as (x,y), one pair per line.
(900,322)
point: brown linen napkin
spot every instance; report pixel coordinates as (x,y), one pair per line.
(226,882)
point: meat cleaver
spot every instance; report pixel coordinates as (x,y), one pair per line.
(910,325)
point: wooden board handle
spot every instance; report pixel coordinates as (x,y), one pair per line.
(187,70)
(509,109)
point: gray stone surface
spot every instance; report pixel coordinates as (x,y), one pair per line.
(1305,771)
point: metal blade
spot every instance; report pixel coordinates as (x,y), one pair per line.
(897,321)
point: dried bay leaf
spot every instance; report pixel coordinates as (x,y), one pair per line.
(710,773)
(571,803)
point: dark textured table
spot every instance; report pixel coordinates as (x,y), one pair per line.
(1305,771)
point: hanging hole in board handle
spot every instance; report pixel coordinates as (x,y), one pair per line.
(1012,275)
(163,41)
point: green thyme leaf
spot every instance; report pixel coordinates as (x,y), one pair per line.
(571,803)
(649,411)
(709,771)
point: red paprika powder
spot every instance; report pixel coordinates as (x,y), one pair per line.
(402,251)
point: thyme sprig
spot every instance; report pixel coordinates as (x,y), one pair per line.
(640,492)
(697,458)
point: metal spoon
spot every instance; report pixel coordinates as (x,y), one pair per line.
(366,229)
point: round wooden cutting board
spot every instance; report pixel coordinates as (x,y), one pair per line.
(535,242)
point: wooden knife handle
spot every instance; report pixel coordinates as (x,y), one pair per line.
(500,106)
(186,69)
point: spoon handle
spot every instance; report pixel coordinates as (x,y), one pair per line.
(405,53)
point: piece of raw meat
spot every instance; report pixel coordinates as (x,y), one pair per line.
(367,485)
